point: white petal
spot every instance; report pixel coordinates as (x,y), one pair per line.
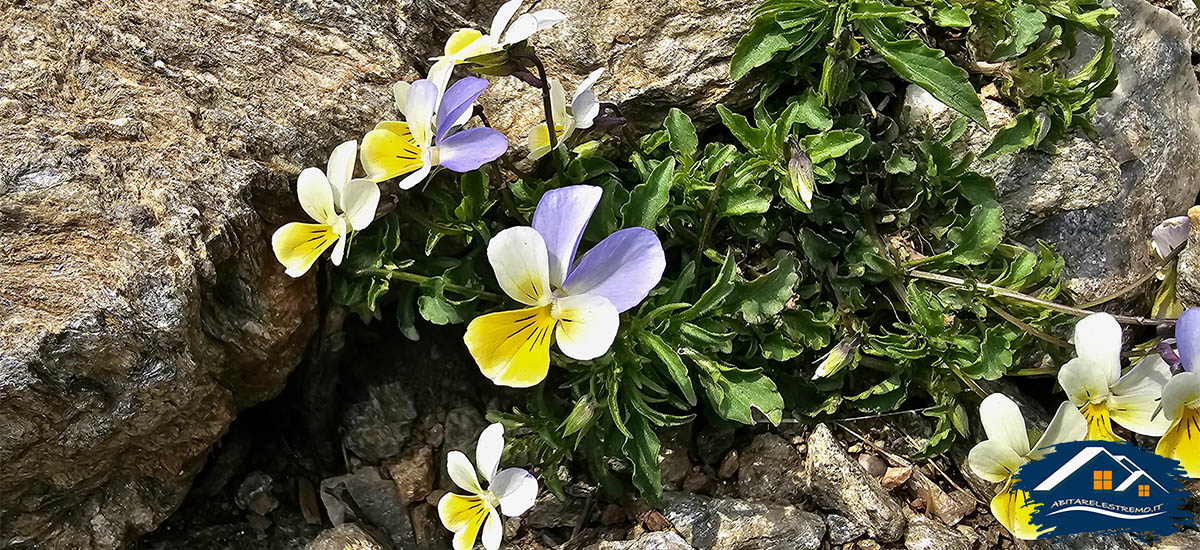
(529,23)
(493,530)
(341,167)
(1169,234)
(1003,423)
(584,109)
(461,471)
(558,101)
(587,325)
(994,461)
(522,265)
(1068,425)
(400,92)
(339,249)
(439,75)
(488,451)
(1084,381)
(316,196)
(516,489)
(1148,376)
(1098,339)
(1183,391)
(420,107)
(419,175)
(503,16)
(588,82)
(1137,413)
(360,200)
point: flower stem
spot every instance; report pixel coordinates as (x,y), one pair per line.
(1001,291)
(397,275)
(546,104)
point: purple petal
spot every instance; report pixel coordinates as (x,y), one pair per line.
(1187,338)
(460,97)
(624,268)
(469,149)
(561,217)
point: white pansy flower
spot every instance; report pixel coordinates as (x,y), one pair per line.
(1093,382)
(579,115)
(510,492)
(467,43)
(337,202)
(1007,448)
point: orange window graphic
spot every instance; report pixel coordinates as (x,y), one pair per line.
(1102,480)
(1143,490)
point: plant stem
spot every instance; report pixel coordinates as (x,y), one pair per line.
(1001,291)
(706,228)
(547,106)
(1027,327)
(1141,280)
(405,276)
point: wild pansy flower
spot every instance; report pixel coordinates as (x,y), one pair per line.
(582,113)
(575,304)
(467,43)
(298,245)
(1007,448)
(511,491)
(430,135)
(1093,382)
(1181,398)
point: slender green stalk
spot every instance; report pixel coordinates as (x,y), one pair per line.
(1004,292)
(1141,280)
(405,276)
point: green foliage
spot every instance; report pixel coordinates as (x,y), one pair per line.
(761,286)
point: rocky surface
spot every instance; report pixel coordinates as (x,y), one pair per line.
(347,536)
(837,482)
(1098,202)
(151,149)
(731,524)
(650,541)
(770,469)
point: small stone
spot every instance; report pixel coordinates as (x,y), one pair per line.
(895,477)
(699,482)
(866,544)
(927,534)
(711,445)
(427,527)
(613,515)
(841,530)
(770,469)
(874,465)
(364,495)
(549,512)
(729,466)
(837,482)
(377,427)
(660,540)
(731,524)
(347,536)
(674,465)
(435,496)
(254,494)
(413,472)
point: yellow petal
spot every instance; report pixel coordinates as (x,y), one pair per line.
(539,139)
(389,151)
(456,511)
(462,44)
(1014,512)
(512,348)
(298,245)
(1182,441)
(1098,422)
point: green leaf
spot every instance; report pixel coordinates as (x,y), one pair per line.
(648,199)
(715,293)
(642,451)
(474,203)
(761,299)
(812,112)
(1021,133)
(751,138)
(980,237)
(682,131)
(928,68)
(734,393)
(874,9)
(756,48)
(900,163)
(948,14)
(1024,23)
(435,307)
(675,366)
(831,144)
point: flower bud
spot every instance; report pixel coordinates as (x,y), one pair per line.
(581,416)
(800,171)
(838,357)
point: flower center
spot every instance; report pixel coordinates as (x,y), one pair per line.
(435,156)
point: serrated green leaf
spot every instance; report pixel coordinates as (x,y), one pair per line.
(980,237)
(716,293)
(682,132)
(648,199)
(761,299)
(675,366)
(751,138)
(756,48)
(1021,133)
(734,393)
(831,144)
(642,451)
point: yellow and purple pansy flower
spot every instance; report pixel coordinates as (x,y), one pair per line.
(574,303)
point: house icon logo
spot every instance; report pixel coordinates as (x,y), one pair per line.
(1105,487)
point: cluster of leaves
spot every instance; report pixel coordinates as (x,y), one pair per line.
(1027,50)
(881,272)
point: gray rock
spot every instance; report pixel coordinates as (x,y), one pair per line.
(347,536)
(1090,542)
(837,482)
(927,534)
(770,469)
(840,530)
(254,494)
(378,426)
(713,444)
(658,540)
(730,524)
(1184,540)
(365,496)
(1098,202)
